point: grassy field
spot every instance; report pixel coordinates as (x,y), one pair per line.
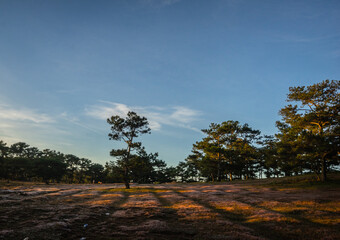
(289,208)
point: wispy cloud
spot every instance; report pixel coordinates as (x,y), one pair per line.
(177,116)
(299,38)
(76,121)
(159,3)
(23,114)
(336,53)
(25,124)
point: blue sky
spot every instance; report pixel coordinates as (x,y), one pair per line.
(66,66)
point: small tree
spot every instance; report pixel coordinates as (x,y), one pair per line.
(127,130)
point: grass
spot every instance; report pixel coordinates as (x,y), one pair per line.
(135,190)
(235,210)
(307,181)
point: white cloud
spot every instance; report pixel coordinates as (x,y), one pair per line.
(159,3)
(177,116)
(76,121)
(23,114)
(28,125)
(184,115)
(282,37)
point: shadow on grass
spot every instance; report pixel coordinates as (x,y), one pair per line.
(259,229)
(135,190)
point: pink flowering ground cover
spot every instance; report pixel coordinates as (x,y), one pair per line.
(168,211)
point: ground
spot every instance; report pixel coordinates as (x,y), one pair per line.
(168,211)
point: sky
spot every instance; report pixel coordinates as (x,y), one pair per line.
(68,65)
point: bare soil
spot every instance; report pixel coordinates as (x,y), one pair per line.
(169,211)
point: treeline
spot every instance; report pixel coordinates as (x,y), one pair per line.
(22,162)
(308,140)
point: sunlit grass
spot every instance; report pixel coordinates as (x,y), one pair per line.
(186,191)
(326,220)
(189,210)
(86,195)
(100,202)
(141,200)
(111,195)
(301,206)
(136,190)
(309,210)
(265,216)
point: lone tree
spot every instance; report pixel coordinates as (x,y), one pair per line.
(127,130)
(315,123)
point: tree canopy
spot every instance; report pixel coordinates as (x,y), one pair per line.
(312,124)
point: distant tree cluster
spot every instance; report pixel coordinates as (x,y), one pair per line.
(308,141)
(25,163)
(21,162)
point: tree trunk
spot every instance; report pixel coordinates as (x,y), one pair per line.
(219,172)
(126,170)
(324,170)
(212,178)
(126,178)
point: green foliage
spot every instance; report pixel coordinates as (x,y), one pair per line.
(187,171)
(138,164)
(310,132)
(22,162)
(227,150)
(51,168)
(308,140)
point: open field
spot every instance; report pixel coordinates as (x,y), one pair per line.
(169,211)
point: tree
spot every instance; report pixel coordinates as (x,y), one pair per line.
(211,150)
(315,123)
(19,149)
(268,157)
(49,168)
(96,171)
(113,173)
(225,151)
(72,162)
(3,149)
(245,151)
(187,171)
(127,130)
(142,166)
(84,165)
(3,154)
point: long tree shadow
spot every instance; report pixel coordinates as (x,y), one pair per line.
(234,217)
(294,214)
(259,229)
(97,222)
(288,226)
(206,222)
(177,229)
(131,217)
